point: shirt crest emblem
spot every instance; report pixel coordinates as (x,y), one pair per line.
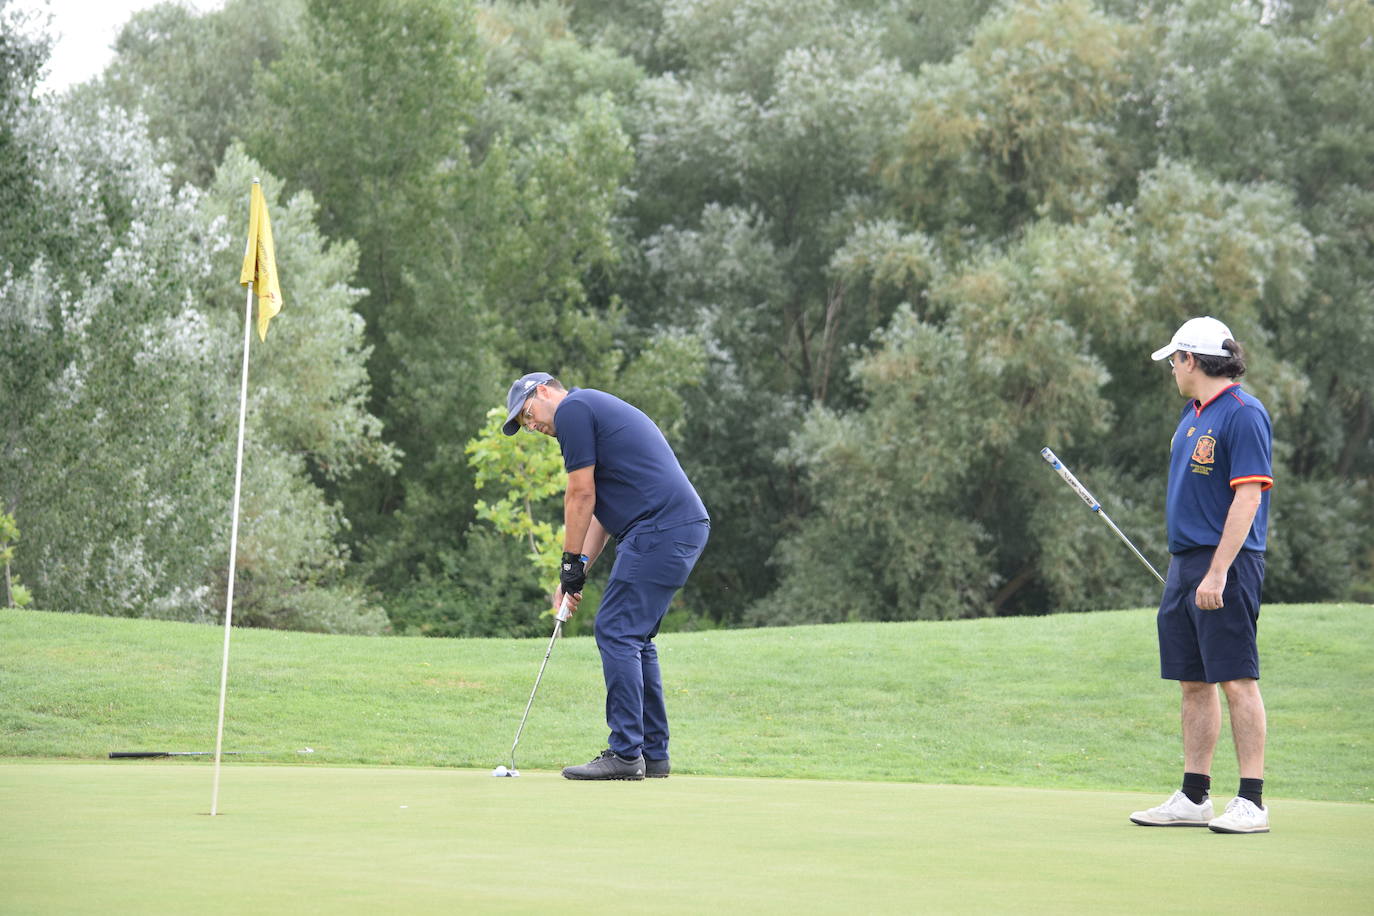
(1204,452)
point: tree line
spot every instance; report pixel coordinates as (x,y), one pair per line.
(860,259)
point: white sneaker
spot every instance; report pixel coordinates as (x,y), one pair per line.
(1241,816)
(1178,811)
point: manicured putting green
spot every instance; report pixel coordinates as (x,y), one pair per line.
(136,837)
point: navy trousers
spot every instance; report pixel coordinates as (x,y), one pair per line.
(650,566)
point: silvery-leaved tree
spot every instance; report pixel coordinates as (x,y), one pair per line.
(122,336)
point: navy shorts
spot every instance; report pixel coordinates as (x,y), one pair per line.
(1211,646)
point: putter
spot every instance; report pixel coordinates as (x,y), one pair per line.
(563,614)
(1093,504)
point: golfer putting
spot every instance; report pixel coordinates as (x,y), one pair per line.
(624,482)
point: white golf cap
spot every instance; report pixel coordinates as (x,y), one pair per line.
(1197,335)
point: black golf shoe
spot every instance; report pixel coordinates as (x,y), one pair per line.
(607,766)
(657,769)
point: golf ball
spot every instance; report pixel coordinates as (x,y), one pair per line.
(499,771)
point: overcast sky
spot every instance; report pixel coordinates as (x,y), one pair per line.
(84,31)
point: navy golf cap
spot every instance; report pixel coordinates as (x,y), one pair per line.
(520,391)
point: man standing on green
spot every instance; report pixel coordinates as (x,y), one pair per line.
(624,482)
(1220,472)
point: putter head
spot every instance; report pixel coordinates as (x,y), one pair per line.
(502,771)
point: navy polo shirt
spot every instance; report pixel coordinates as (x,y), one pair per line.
(1218,446)
(639,482)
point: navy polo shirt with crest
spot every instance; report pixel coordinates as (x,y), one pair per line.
(639,482)
(1217,447)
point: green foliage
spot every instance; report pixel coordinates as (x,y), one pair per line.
(22,56)
(192,75)
(551,204)
(308,416)
(114,445)
(339,608)
(1283,99)
(120,361)
(537,71)
(310,385)
(787,230)
(1187,245)
(526,471)
(344,105)
(386,46)
(668,367)
(525,223)
(755,154)
(490,590)
(1318,532)
(1011,353)
(16,595)
(367,108)
(1017,126)
(920,498)
(342,111)
(920,32)
(19,595)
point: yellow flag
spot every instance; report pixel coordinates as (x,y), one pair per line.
(260,262)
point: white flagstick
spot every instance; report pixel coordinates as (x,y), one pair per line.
(233,548)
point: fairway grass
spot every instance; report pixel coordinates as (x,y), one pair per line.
(1067,701)
(105,838)
(1070,701)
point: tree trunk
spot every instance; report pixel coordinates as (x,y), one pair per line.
(1005,593)
(1355,437)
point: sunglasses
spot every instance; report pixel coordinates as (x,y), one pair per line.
(527,414)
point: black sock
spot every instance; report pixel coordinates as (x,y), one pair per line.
(1196,786)
(1252,790)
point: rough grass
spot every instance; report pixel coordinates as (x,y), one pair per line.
(1067,701)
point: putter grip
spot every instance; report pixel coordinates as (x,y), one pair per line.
(115,755)
(1053,460)
(564,612)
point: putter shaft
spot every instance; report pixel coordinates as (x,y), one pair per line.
(1053,460)
(562,615)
